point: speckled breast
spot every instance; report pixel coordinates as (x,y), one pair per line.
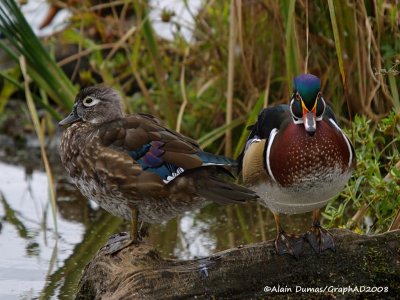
(309,170)
(296,157)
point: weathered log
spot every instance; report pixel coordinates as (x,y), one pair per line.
(370,263)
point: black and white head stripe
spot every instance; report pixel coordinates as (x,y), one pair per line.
(297,116)
(296,120)
(319,118)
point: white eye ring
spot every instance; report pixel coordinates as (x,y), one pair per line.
(90,101)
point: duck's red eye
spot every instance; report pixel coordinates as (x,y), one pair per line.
(298,98)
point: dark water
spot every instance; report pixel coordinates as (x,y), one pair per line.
(39,261)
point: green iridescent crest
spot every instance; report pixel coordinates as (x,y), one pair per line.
(308,86)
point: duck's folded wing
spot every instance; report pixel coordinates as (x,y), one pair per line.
(268,119)
(121,174)
(151,155)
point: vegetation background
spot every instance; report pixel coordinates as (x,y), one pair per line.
(210,84)
(241,56)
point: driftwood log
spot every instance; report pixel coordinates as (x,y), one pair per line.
(370,264)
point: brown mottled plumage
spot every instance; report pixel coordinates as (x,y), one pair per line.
(134,167)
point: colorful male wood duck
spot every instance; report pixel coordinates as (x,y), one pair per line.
(297,158)
(137,169)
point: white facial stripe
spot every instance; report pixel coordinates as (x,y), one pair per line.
(320,117)
(300,121)
(346,139)
(270,141)
(295,119)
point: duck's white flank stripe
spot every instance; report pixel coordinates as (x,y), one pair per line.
(270,140)
(346,139)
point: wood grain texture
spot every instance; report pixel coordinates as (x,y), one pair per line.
(138,272)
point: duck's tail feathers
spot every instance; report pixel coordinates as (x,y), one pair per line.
(216,160)
(224,192)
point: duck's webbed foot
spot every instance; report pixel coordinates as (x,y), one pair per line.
(320,239)
(122,241)
(288,244)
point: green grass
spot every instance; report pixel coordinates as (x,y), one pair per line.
(21,41)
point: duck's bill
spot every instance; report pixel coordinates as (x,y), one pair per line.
(310,123)
(71,118)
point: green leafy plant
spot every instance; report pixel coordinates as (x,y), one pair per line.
(372,196)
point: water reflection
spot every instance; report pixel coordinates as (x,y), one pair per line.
(37,261)
(28,234)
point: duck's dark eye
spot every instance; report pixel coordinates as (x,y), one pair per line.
(89,101)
